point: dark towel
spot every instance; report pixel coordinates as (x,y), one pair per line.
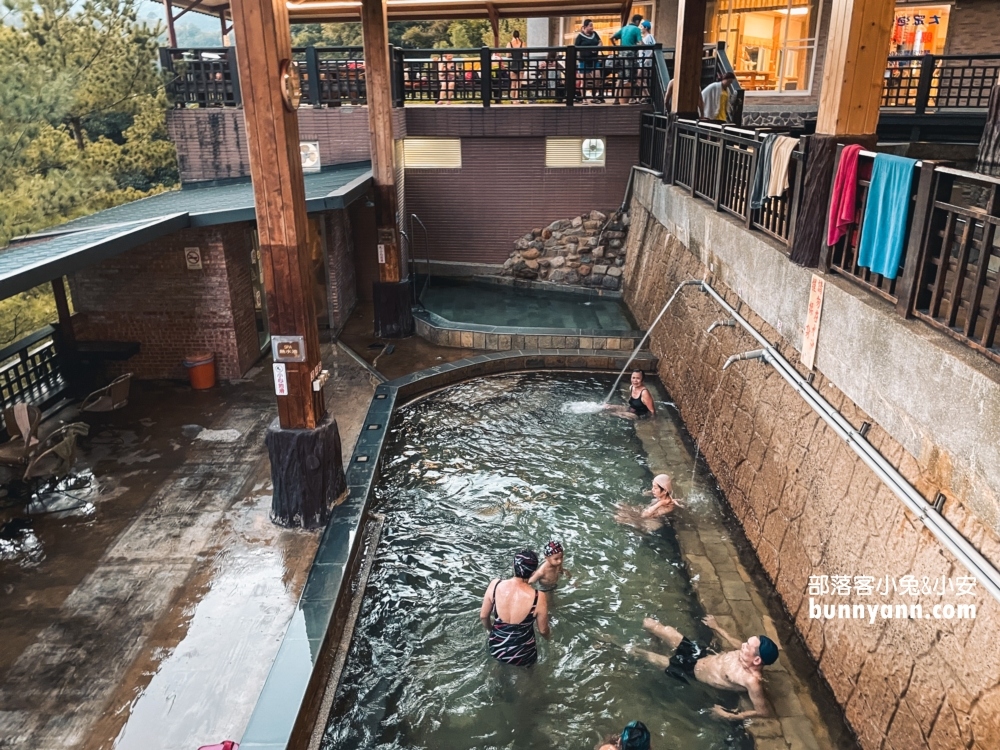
(845,190)
(886,212)
(762,174)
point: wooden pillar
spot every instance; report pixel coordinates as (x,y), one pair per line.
(688,54)
(225,28)
(264,54)
(392,290)
(171,32)
(853,75)
(62,309)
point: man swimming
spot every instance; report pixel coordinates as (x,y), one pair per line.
(548,573)
(740,670)
(651,517)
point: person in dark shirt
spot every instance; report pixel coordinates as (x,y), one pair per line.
(629,35)
(589,62)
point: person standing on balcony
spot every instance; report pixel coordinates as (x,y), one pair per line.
(516,67)
(589,62)
(647,60)
(715,98)
(629,35)
(446,73)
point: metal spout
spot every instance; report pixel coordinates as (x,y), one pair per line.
(728,323)
(754,354)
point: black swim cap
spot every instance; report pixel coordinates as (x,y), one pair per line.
(525,563)
(767,651)
(635,736)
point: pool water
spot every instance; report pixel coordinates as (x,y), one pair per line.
(498,305)
(473,474)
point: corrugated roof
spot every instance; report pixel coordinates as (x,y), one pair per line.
(70,247)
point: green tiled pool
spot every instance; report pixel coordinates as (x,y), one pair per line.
(483,303)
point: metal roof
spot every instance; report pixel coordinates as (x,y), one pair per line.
(70,247)
(312,11)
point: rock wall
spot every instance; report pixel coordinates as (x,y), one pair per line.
(587,250)
(811,508)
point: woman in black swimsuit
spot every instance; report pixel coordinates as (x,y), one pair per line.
(640,401)
(516,67)
(511,610)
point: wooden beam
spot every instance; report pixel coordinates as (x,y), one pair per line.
(854,71)
(491,10)
(225,28)
(188,9)
(688,56)
(626,11)
(263,44)
(62,308)
(171,32)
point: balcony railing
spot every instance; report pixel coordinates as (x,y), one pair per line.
(939,82)
(30,371)
(335,76)
(717,163)
(949,273)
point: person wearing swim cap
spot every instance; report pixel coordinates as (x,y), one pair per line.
(548,573)
(511,610)
(651,517)
(740,670)
(634,736)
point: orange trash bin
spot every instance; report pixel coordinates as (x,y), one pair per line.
(201,370)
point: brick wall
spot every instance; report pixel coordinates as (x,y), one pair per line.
(809,506)
(504,189)
(972,28)
(342,294)
(148,295)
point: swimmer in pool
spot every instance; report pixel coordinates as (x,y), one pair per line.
(740,670)
(634,736)
(640,402)
(651,517)
(548,573)
(511,611)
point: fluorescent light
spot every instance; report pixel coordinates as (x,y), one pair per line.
(794,11)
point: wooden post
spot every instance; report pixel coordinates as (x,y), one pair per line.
(988,154)
(171,32)
(393,316)
(225,28)
(853,75)
(62,309)
(687,57)
(264,55)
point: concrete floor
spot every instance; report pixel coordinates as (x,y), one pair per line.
(146,613)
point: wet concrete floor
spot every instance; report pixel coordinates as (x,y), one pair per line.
(143,602)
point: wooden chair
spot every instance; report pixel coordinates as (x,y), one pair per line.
(111,397)
(57,453)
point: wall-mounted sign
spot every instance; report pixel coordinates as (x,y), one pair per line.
(309,151)
(192,257)
(810,334)
(288,348)
(387,235)
(280,379)
(381,253)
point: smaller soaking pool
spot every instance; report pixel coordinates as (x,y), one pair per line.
(470,475)
(484,303)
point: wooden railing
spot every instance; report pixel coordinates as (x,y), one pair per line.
(30,371)
(717,163)
(939,82)
(949,272)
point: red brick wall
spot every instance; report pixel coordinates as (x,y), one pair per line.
(504,189)
(148,295)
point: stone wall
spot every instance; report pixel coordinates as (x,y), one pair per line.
(807,503)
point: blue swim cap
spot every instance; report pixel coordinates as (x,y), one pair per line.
(768,650)
(646,25)
(635,736)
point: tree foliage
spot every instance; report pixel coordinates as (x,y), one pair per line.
(411,34)
(82,111)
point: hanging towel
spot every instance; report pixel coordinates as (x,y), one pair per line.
(781,153)
(845,189)
(886,212)
(762,172)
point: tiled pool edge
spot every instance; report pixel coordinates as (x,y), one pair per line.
(287,708)
(438,330)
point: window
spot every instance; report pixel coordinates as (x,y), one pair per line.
(575,152)
(432,153)
(606,26)
(920,30)
(770,43)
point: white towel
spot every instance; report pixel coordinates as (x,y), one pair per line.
(781,154)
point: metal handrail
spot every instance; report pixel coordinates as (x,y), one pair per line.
(427,255)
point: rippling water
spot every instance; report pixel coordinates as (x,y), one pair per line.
(473,474)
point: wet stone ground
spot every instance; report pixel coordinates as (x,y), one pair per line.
(144,599)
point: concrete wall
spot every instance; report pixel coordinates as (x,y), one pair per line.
(148,295)
(806,502)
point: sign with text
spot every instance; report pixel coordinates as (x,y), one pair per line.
(381,253)
(288,348)
(810,334)
(280,379)
(192,257)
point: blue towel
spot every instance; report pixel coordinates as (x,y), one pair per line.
(886,213)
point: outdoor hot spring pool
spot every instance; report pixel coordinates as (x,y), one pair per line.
(472,474)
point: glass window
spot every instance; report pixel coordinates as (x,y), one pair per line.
(920,30)
(606,26)
(770,43)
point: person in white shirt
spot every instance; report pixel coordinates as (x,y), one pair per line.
(715,98)
(647,58)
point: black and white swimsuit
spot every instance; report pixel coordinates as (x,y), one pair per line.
(513,643)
